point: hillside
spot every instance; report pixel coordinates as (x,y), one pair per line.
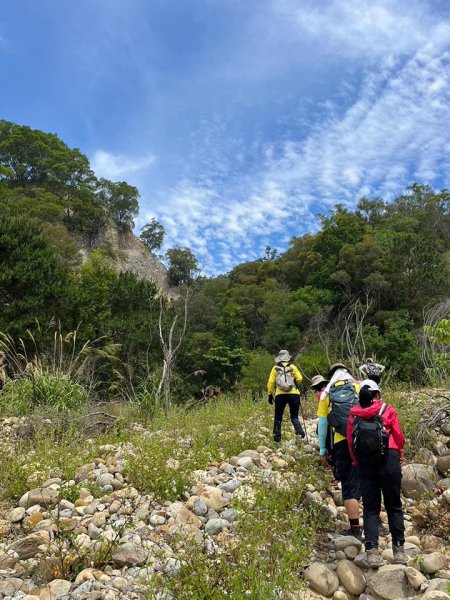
(171,509)
(128,253)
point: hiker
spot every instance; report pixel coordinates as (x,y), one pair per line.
(318,383)
(371,370)
(336,400)
(375,441)
(282,389)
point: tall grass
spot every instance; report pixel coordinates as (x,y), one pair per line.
(63,376)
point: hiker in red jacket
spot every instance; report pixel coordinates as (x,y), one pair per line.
(375,441)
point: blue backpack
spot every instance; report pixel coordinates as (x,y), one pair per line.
(342,398)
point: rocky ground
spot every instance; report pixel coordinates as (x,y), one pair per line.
(125,544)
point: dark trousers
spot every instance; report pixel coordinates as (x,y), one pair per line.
(281,400)
(387,480)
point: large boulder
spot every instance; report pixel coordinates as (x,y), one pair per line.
(322,579)
(129,555)
(433,562)
(28,546)
(42,496)
(351,577)
(390,582)
(418,480)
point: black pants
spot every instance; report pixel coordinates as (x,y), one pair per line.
(387,480)
(281,400)
(341,463)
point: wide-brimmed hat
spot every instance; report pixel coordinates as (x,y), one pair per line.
(334,368)
(317,380)
(283,356)
(368,383)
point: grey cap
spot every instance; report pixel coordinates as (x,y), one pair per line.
(317,379)
(283,356)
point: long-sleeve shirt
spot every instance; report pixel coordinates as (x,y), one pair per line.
(272,386)
(390,422)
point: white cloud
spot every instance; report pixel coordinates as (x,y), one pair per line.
(396,128)
(116,166)
(362,28)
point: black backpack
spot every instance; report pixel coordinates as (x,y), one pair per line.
(373,370)
(342,398)
(370,440)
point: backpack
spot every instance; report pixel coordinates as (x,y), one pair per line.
(370,440)
(284,378)
(372,370)
(342,398)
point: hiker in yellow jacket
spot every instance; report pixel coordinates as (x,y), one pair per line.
(282,388)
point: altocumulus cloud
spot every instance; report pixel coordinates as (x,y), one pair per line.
(393,132)
(116,166)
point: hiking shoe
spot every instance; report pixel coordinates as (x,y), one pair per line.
(374,559)
(299,437)
(355,532)
(400,557)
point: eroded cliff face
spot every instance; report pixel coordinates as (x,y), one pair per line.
(129,254)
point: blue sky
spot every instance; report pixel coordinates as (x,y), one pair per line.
(239,120)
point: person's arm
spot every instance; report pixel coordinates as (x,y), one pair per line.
(362,370)
(271,386)
(349,436)
(297,375)
(381,367)
(395,429)
(322,413)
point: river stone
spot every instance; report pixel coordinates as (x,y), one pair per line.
(230,486)
(213,526)
(361,560)
(58,588)
(230,515)
(436,595)
(17,514)
(431,563)
(424,456)
(246,462)
(418,480)
(28,546)
(212,497)
(42,496)
(322,579)
(441,585)
(443,465)
(389,582)
(343,541)
(8,587)
(156,520)
(129,555)
(415,577)
(351,577)
(351,552)
(200,509)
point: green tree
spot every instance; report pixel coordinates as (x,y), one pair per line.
(182,265)
(33,281)
(120,199)
(152,234)
(94,283)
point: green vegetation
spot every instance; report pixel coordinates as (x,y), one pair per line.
(358,287)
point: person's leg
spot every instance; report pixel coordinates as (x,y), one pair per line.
(280,405)
(294,407)
(350,487)
(391,487)
(370,486)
